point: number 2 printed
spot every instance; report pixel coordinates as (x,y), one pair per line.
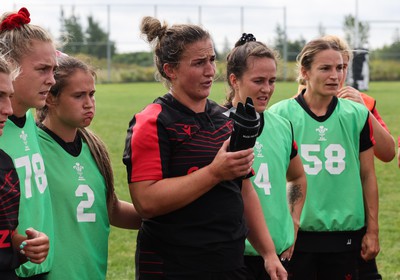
(85,204)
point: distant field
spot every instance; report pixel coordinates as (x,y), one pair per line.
(116,104)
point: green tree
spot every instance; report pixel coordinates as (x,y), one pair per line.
(389,52)
(293,47)
(97,40)
(72,34)
(144,59)
(349,30)
(93,41)
(226,48)
(279,40)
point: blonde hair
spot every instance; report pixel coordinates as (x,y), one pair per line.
(342,44)
(20,39)
(5,66)
(305,58)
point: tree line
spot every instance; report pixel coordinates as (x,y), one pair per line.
(94,41)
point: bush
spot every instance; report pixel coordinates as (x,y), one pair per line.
(123,72)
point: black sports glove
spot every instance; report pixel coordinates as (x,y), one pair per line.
(246,126)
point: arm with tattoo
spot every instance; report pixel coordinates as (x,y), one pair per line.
(296,189)
(296,194)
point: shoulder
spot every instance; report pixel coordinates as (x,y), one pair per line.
(6,165)
(352,110)
(275,118)
(282,106)
(216,109)
(369,101)
(274,123)
(350,105)
(4,157)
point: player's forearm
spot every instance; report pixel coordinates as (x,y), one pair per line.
(398,152)
(296,189)
(296,198)
(370,191)
(155,198)
(384,148)
(124,215)
(371,204)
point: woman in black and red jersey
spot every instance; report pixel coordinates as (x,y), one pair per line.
(188,188)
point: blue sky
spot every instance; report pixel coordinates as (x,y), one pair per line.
(224,19)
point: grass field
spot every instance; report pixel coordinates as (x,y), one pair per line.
(116,104)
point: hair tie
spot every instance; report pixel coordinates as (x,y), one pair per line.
(16,20)
(245,38)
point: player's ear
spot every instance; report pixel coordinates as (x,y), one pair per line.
(169,70)
(304,73)
(233,81)
(51,100)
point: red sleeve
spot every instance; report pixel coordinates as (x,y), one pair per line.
(142,151)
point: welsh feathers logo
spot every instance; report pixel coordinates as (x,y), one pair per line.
(79,170)
(258,147)
(321,130)
(24,137)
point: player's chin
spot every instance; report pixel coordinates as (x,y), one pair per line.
(260,108)
(86,122)
(39,104)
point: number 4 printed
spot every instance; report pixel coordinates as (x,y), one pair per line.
(262,179)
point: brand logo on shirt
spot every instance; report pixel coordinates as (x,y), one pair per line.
(186,129)
(348,241)
(321,131)
(258,149)
(79,169)
(24,138)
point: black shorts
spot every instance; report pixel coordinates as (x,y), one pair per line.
(152,266)
(326,266)
(368,270)
(8,275)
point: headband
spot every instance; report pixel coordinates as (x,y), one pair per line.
(16,20)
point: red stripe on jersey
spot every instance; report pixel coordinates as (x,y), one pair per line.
(145,157)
